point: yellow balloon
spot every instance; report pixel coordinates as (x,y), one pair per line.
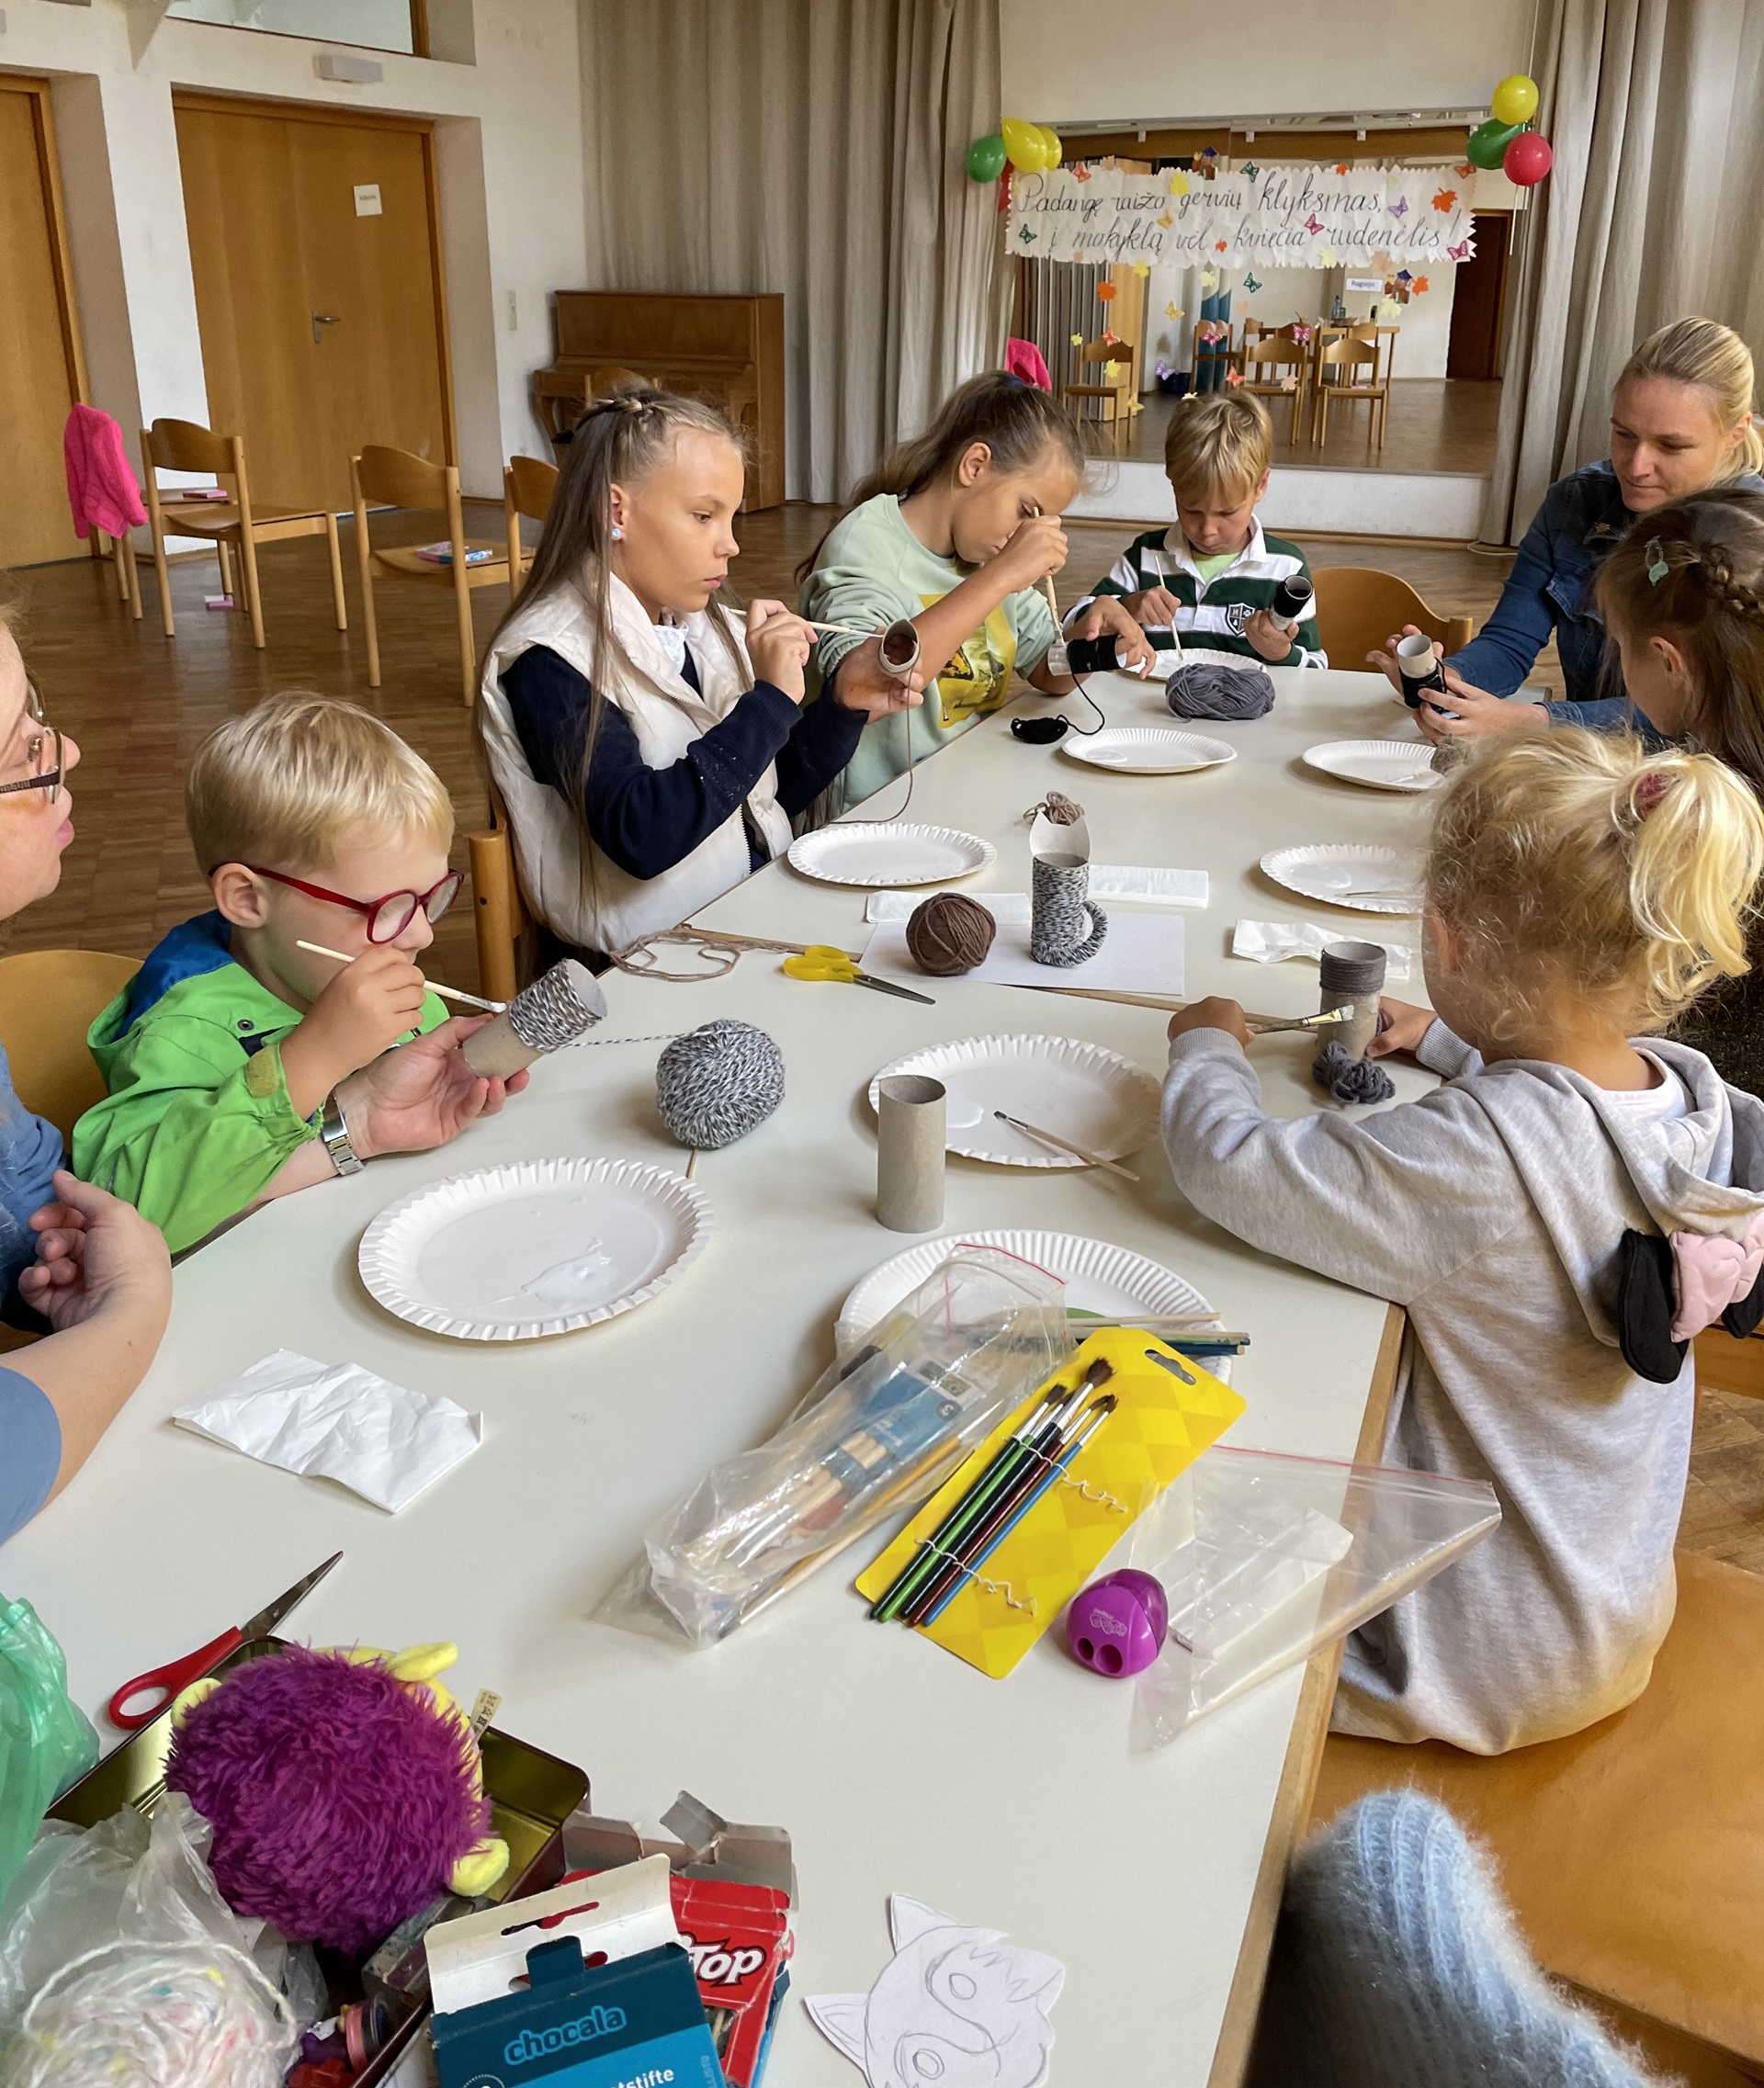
(1023,145)
(1050,138)
(1515,100)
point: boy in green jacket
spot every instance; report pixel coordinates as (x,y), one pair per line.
(243,1067)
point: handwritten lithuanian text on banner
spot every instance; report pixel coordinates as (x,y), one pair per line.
(1274,217)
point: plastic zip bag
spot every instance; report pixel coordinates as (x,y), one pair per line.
(1264,1558)
(874,1434)
(46,1742)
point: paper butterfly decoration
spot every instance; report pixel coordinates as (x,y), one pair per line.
(1252,171)
(1249,283)
(1459,253)
(1313,224)
(1166,219)
(1420,284)
(1400,209)
(1234,376)
(1080,172)
(1179,185)
(1445,199)
(1026,235)
(956,2006)
(1301,332)
(1172,310)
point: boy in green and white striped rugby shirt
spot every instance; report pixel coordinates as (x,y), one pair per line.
(1207,585)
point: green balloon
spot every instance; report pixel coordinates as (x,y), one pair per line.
(985,158)
(1488,142)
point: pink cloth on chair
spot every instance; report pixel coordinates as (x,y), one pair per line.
(1023,359)
(1711,1272)
(101,488)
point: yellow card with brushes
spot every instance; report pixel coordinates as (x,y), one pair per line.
(1025,1521)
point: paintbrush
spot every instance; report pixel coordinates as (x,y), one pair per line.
(1066,1145)
(433,985)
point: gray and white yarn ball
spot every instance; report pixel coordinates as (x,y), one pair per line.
(715,1083)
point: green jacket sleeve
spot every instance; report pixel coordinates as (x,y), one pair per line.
(192,1130)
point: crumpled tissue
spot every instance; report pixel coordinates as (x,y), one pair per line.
(1266,942)
(337,1421)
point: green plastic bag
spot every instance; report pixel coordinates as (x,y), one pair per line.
(46,1740)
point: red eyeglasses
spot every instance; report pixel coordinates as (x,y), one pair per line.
(387,918)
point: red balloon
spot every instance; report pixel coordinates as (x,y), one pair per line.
(1528,159)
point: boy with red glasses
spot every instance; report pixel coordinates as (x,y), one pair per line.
(242,1066)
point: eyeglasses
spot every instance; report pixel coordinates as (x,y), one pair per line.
(42,754)
(388,917)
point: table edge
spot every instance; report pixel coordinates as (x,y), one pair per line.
(1298,1775)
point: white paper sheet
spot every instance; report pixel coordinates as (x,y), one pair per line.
(953,2002)
(1143,954)
(337,1421)
(1115,883)
(1267,942)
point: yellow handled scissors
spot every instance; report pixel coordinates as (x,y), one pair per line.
(821,960)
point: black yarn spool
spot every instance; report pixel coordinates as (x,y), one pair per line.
(1292,597)
(1093,656)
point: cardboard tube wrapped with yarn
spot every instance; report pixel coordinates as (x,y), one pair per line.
(557,1009)
(1352,974)
(715,1083)
(949,933)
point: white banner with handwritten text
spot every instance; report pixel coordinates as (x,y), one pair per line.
(1274,217)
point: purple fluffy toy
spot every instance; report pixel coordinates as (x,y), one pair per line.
(340,1798)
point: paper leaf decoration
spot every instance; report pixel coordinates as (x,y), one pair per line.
(1329,257)
(1252,171)
(1209,276)
(1420,284)
(1220,246)
(1142,267)
(1078,340)
(1340,167)
(1445,200)
(1179,184)
(1464,172)
(1172,310)
(1249,283)
(1166,220)
(1106,293)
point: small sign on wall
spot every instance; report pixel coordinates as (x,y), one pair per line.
(1364,286)
(367,203)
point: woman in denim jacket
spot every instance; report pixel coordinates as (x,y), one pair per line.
(1680,421)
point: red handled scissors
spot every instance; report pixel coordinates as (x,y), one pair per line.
(160,1684)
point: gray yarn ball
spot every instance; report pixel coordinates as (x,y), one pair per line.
(715,1083)
(1351,1080)
(1208,689)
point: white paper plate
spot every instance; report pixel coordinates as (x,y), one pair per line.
(1100,1278)
(1380,764)
(889,853)
(514,1252)
(1095,1097)
(1346,875)
(1149,749)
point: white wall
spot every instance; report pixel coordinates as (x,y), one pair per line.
(1186,60)
(509,155)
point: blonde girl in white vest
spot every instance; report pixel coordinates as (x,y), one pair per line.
(651,745)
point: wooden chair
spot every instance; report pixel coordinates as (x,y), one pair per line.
(1727,1365)
(121,553)
(527,488)
(1347,355)
(1277,352)
(501,915)
(1358,608)
(394,478)
(1115,392)
(49,999)
(235,525)
(1631,1853)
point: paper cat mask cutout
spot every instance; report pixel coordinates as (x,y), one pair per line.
(957,2007)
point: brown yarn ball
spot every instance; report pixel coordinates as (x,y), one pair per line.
(949,933)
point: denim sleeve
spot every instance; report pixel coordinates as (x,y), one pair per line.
(1612,714)
(1506,648)
(31,1450)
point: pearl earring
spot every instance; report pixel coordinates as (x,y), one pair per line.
(618,532)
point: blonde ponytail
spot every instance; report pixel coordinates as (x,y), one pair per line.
(1579,863)
(1711,356)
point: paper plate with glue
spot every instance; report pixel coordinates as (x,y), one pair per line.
(1082,1093)
(1100,1278)
(1149,749)
(1367,877)
(883,853)
(538,1247)
(1379,764)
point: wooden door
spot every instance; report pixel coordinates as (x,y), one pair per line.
(1478,299)
(41,374)
(323,328)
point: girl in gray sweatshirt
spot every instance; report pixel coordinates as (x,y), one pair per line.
(1559,1218)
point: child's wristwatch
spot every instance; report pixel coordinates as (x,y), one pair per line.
(334,1134)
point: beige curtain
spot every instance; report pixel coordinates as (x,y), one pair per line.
(1654,110)
(813,147)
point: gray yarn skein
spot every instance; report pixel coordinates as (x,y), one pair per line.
(714,1084)
(1351,1080)
(1209,690)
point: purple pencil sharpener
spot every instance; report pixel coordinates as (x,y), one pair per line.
(1117,1624)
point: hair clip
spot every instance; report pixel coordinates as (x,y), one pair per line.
(1658,568)
(1651,785)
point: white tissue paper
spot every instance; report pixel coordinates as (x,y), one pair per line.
(337,1421)
(1266,942)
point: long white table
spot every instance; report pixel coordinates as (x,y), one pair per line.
(1012,1805)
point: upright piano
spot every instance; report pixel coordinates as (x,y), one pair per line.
(728,349)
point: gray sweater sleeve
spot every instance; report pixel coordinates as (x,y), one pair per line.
(1391,1204)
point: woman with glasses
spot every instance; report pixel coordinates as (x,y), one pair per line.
(289,1035)
(72,1259)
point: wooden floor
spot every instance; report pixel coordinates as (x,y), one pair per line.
(1442,424)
